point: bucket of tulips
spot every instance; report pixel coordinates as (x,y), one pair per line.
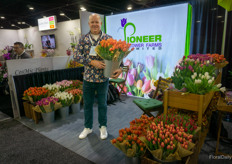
(64,84)
(113,52)
(128,140)
(47,106)
(53,88)
(34,94)
(66,100)
(219,60)
(77,96)
(170,138)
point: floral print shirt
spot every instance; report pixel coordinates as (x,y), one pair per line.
(82,56)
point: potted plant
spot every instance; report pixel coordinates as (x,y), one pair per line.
(77,96)
(66,100)
(47,106)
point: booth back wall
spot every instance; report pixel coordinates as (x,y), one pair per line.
(8,37)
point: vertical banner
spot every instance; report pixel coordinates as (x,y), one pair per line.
(159,37)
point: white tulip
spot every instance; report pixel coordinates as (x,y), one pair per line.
(206,73)
(223,89)
(197,81)
(210,81)
(219,85)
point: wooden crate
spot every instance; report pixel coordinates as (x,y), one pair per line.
(189,101)
(30,113)
(192,102)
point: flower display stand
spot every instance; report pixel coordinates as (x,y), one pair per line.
(189,101)
(192,102)
(30,113)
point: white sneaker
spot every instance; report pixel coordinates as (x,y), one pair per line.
(85,132)
(103,133)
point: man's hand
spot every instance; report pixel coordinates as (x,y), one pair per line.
(98,64)
(116,73)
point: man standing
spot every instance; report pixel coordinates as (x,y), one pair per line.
(19,51)
(94,80)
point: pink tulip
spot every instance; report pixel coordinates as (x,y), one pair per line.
(130,79)
(133,71)
(146,87)
(128,63)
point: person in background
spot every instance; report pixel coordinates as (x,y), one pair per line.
(94,80)
(19,51)
(48,43)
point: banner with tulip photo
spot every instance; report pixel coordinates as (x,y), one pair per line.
(159,36)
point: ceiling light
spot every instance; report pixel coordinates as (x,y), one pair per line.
(129,8)
(19,23)
(12,25)
(198,21)
(219,16)
(83,9)
(23,23)
(1,26)
(2,17)
(31,8)
(214,9)
(62,14)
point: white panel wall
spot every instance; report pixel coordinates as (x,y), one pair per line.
(8,37)
(63,39)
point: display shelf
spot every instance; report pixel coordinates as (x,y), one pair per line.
(189,101)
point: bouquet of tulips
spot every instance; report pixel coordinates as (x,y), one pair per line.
(64,84)
(74,64)
(77,84)
(47,104)
(219,60)
(128,141)
(77,95)
(65,98)
(113,50)
(34,94)
(166,137)
(196,74)
(53,88)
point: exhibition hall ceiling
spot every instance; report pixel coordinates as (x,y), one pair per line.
(15,14)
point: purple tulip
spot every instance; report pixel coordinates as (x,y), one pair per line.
(130,79)
(133,71)
(190,67)
(150,61)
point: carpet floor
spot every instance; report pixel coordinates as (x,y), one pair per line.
(18,146)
